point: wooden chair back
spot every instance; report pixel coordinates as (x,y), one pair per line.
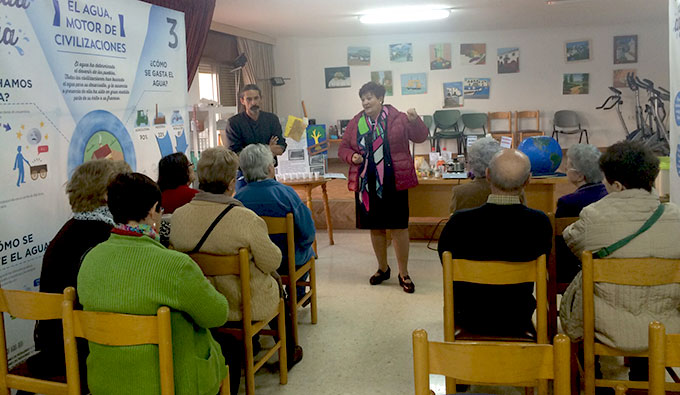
(239,265)
(496,363)
(495,272)
(114,329)
(531,131)
(621,271)
(31,306)
(555,288)
(286,225)
(664,351)
(520,115)
(497,134)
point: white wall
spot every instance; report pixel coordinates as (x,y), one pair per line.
(538,85)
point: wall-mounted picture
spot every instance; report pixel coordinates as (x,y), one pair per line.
(383,78)
(576,51)
(625,49)
(401,52)
(575,84)
(621,77)
(508,60)
(414,83)
(476,88)
(472,54)
(453,94)
(358,56)
(440,56)
(337,77)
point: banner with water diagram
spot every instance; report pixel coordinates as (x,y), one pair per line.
(79,80)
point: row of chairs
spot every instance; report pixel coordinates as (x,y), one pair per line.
(639,272)
(446,126)
(239,265)
(124,329)
(110,329)
(505,363)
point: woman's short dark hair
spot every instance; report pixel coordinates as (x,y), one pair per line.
(173,171)
(631,164)
(372,87)
(131,196)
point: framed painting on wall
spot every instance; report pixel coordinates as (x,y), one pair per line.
(453,94)
(440,56)
(337,77)
(472,54)
(383,78)
(577,51)
(402,52)
(508,60)
(358,56)
(625,49)
(621,77)
(414,83)
(575,84)
(476,88)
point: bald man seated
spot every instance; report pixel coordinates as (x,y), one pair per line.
(502,229)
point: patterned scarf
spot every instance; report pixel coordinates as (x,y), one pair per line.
(377,134)
(139,230)
(101,213)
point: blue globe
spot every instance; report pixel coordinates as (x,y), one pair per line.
(544,153)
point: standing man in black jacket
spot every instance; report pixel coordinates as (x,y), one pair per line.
(503,229)
(254,126)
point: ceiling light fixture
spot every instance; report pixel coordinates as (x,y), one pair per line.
(404,14)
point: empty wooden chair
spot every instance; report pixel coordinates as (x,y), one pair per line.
(664,352)
(113,329)
(622,271)
(286,225)
(32,306)
(495,363)
(494,272)
(522,132)
(239,265)
(497,134)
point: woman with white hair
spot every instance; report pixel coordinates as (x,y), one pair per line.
(583,170)
(474,194)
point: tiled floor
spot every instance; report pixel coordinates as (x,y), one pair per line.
(362,342)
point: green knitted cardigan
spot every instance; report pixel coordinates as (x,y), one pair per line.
(137,275)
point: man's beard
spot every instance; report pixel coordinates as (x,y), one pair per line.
(254,108)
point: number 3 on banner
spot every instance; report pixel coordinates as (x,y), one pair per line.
(173,25)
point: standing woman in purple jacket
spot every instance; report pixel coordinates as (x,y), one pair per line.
(381,170)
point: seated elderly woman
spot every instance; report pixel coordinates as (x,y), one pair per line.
(584,172)
(237,227)
(622,312)
(175,174)
(133,273)
(474,194)
(268,197)
(90,225)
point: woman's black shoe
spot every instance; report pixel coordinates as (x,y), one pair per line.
(379,276)
(409,287)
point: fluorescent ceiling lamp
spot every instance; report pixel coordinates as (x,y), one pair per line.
(404,14)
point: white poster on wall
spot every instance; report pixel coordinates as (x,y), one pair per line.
(79,80)
(674,54)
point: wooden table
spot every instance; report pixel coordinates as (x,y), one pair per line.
(308,186)
(432,196)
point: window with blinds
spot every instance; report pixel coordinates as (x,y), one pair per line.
(227,86)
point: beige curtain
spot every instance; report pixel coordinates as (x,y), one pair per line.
(259,69)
